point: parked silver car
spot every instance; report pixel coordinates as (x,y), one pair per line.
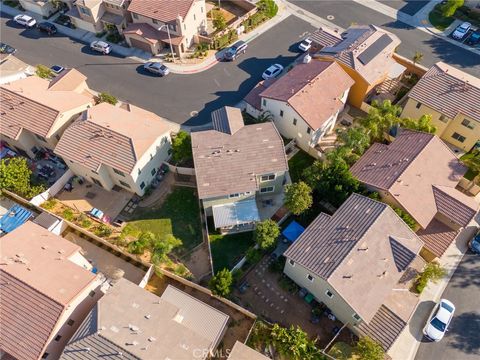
(25,20)
(101,46)
(157,68)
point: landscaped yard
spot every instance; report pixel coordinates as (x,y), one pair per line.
(299,162)
(178,215)
(227,250)
(438,20)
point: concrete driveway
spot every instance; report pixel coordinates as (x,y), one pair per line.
(181,98)
(462,342)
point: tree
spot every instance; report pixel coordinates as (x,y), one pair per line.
(144,241)
(410,221)
(449,8)
(266,233)
(424,123)
(472,160)
(182,147)
(253,255)
(221,283)
(294,343)
(268,7)
(417,57)
(163,247)
(219,21)
(106,98)
(298,197)
(356,139)
(380,118)
(15,176)
(43,72)
(368,349)
(264,117)
(432,271)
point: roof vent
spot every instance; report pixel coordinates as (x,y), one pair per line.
(148,316)
(44,247)
(349,276)
(151,339)
(133,327)
(132,343)
(135,305)
(383,274)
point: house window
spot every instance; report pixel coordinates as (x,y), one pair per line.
(142,185)
(45,355)
(95,181)
(468,124)
(329,294)
(57,137)
(84,11)
(294,121)
(92,293)
(118,172)
(58,337)
(281,113)
(184,27)
(458,137)
(70,322)
(291,262)
(310,277)
(153,172)
(247,193)
(264,102)
(267,189)
(443,118)
(268,177)
(124,184)
(201,9)
(236,195)
(139,171)
(194,17)
(155,21)
(356,317)
(419,105)
(41,138)
(135,16)
(309,130)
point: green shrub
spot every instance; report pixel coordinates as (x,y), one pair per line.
(106,97)
(221,283)
(268,7)
(221,41)
(114,38)
(253,255)
(450,6)
(84,221)
(412,224)
(68,214)
(103,230)
(433,271)
(44,72)
(367,348)
(50,204)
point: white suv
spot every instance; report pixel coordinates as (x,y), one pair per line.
(461,30)
(101,46)
(25,20)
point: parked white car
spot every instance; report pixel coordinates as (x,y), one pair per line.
(101,46)
(157,68)
(461,30)
(439,320)
(25,20)
(305,45)
(272,72)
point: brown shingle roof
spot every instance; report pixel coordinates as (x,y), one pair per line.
(455,205)
(363,248)
(163,10)
(253,97)
(111,135)
(68,80)
(408,168)
(313,90)
(227,120)
(227,164)
(448,91)
(437,237)
(151,34)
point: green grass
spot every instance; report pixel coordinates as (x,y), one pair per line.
(341,351)
(439,21)
(298,163)
(179,215)
(227,250)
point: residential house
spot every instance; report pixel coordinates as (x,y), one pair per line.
(117,146)
(35,112)
(241,351)
(12,69)
(132,323)
(41,7)
(48,289)
(306,101)
(364,52)
(159,24)
(418,173)
(98,15)
(353,261)
(236,165)
(450,96)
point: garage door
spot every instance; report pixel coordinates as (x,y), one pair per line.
(141,45)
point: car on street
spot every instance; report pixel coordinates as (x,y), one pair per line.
(25,20)
(47,27)
(101,46)
(272,72)
(7,49)
(439,320)
(240,47)
(156,68)
(474,38)
(57,69)
(305,45)
(474,244)
(461,30)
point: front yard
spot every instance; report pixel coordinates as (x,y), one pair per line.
(227,250)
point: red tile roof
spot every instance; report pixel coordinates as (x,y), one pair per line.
(152,35)
(313,90)
(163,10)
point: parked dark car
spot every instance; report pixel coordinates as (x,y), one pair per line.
(474,244)
(7,49)
(47,27)
(240,47)
(474,38)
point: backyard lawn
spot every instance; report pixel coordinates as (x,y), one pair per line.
(299,162)
(438,20)
(178,215)
(227,250)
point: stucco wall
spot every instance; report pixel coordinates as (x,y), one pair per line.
(46,9)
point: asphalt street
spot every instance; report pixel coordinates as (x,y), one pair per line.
(462,341)
(433,48)
(175,97)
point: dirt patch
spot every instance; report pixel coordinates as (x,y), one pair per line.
(198,263)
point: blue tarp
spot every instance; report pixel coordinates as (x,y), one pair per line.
(293,231)
(15,217)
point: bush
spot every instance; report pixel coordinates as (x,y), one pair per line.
(50,204)
(253,21)
(106,97)
(16,176)
(266,234)
(84,221)
(368,348)
(103,230)
(221,41)
(253,255)
(219,22)
(43,72)
(433,271)
(68,214)
(100,34)
(450,6)
(268,7)
(221,283)
(114,38)
(412,224)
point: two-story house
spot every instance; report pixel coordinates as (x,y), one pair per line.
(306,101)
(48,288)
(236,165)
(97,15)
(112,146)
(418,173)
(35,112)
(353,262)
(451,97)
(159,24)
(365,52)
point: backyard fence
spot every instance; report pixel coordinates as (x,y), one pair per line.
(52,190)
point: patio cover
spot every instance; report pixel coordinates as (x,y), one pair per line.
(241,212)
(14,218)
(293,231)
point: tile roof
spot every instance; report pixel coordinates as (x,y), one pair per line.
(437,237)
(151,34)
(313,90)
(253,97)
(243,352)
(113,136)
(163,10)
(227,164)
(455,205)
(363,245)
(140,325)
(39,282)
(449,91)
(227,120)
(365,48)
(31,104)
(408,168)
(67,80)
